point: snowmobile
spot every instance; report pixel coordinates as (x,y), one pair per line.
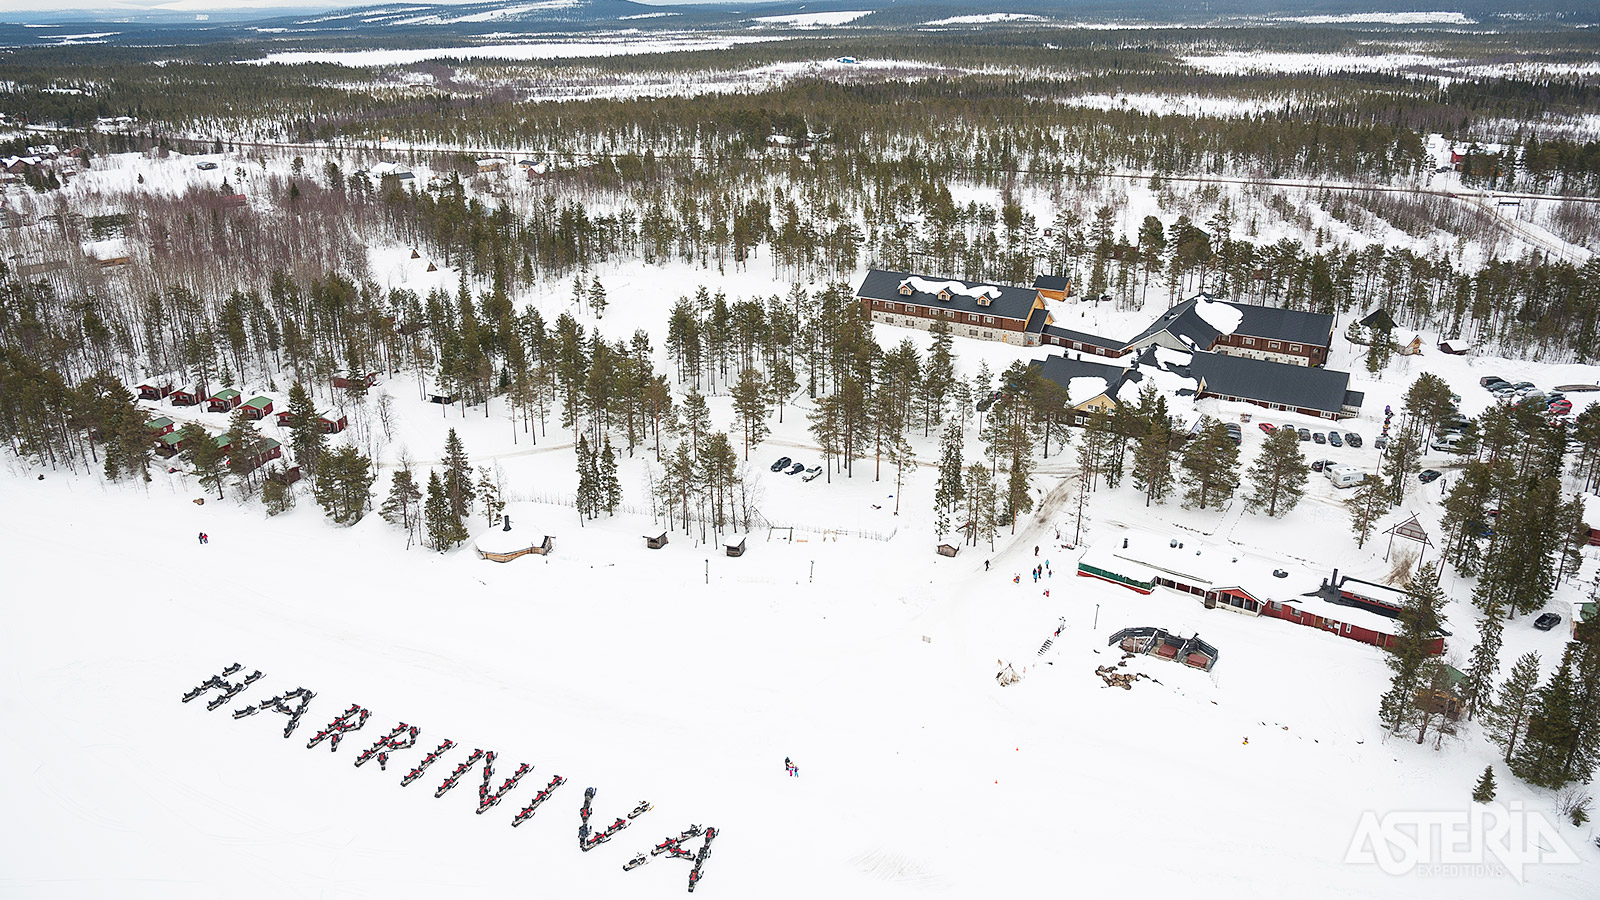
(635,863)
(643,807)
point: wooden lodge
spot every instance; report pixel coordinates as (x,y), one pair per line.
(257,408)
(347,380)
(657,542)
(186,397)
(160,425)
(170,444)
(225,400)
(156,389)
(948,549)
(1190,651)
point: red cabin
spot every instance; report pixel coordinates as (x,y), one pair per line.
(154,390)
(367,379)
(257,408)
(186,398)
(225,400)
(333,423)
(285,419)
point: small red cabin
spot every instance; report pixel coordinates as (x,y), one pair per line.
(366,379)
(286,419)
(154,390)
(186,398)
(225,400)
(333,423)
(258,408)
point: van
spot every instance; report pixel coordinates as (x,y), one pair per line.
(1447,443)
(1344,476)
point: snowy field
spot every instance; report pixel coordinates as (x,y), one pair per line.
(616,44)
(685,677)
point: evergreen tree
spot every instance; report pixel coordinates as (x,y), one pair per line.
(1152,458)
(1380,347)
(750,408)
(781,385)
(1479,687)
(205,457)
(445,528)
(1506,721)
(345,487)
(277,494)
(947,493)
(1483,791)
(938,378)
(489,492)
(696,420)
(1540,758)
(588,480)
(1409,656)
(306,437)
(1278,476)
(403,505)
(1367,505)
(597,298)
(1211,467)
(982,513)
(610,485)
(1402,459)
(457,479)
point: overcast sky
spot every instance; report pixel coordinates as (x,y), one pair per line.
(125,6)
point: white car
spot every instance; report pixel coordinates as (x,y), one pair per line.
(811,473)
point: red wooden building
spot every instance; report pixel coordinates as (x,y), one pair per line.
(366,379)
(257,408)
(155,389)
(187,398)
(333,423)
(225,400)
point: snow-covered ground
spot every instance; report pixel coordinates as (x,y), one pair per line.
(617,44)
(814,20)
(685,677)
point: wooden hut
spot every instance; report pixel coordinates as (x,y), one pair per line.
(225,400)
(332,422)
(258,408)
(155,389)
(657,542)
(267,450)
(168,445)
(185,397)
(160,425)
(735,549)
(948,549)
(347,379)
(285,419)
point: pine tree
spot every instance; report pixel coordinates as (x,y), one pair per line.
(1485,662)
(1506,721)
(489,492)
(445,528)
(982,514)
(1211,466)
(1409,656)
(345,487)
(597,298)
(1483,791)
(1401,460)
(457,478)
(306,437)
(402,507)
(1540,758)
(947,493)
(277,494)
(588,487)
(205,456)
(1367,505)
(750,408)
(610,484)
(1278,476)
(1152,458)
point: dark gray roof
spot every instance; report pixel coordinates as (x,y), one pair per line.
(1013,302)
(1051,283)
(1279,324)
(1183,322)
(1062,369)
(1379,316)
(1302,387)
(1083,337)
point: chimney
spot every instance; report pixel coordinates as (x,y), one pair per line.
(508,524)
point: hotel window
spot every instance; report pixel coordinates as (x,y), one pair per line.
(1273,345)
(1249,342)
(1294,348)
(988,320)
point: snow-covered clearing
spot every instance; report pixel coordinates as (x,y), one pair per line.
(987,19)
(1440,17)
(1177,104)
(1257,62)
(814,20)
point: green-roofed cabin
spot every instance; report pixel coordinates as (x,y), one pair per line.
(169,444)
(225,400)
(160,425)
(223,442)
(258,408)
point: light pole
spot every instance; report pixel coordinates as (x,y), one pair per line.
(1096,617)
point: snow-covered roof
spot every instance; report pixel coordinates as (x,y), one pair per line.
(499,540)
(929,286)
(1224,317)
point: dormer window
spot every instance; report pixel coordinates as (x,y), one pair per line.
(944,295)
(985,300)
(905,290)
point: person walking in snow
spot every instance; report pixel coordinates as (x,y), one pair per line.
(1035,549)
(986,565)
(1016,579)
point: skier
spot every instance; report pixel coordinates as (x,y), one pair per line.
(986,565)
(1035,549)
(1016,579)
(787,765)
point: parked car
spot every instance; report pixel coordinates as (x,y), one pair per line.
(1381,442)
(1317,437)
(1429,476)
(1487,380)
(781,464)
(811,473)
(1560,407)
(1523,385)
(1305,434)
(1447,443)
(1233,432)
(1268,427)
(1335,439)
(1547,621)
(1321,464)
(797,468)
(1353,439)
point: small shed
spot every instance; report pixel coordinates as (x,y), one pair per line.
(160,425)
(736,549)
(269,450)
(948,549)
(155,389)
(347,379)
(657,542)
(1455,347)
(285,419)
(283,476)
(443,399)
(225,400)
(169,444)
(332,422)
(258,408)
(185,397)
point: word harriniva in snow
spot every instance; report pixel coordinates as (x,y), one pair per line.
(403,736)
